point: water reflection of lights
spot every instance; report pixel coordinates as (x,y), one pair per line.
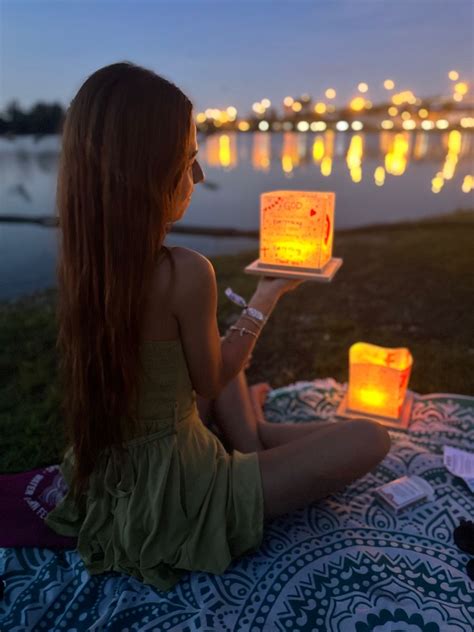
(397,157)
(318,149)
(290,157)
(379,176)
(221,150)
(261,152)
(354,157)
(468,184)
(454,142)
(395,150)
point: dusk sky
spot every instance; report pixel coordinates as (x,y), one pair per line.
(237,52)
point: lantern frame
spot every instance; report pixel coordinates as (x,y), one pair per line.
(324,274)
(403,421)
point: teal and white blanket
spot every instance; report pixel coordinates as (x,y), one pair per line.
(344,564)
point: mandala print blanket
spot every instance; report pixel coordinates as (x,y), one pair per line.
(344,564)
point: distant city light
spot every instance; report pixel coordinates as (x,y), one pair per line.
(406,96)
(303,126)
(427,125)
(461,87)
(320,108)
(357,104)
(413,111)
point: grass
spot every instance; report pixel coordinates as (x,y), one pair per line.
(408,284)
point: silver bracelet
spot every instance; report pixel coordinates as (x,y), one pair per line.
(243,330)
(239,300)
(252,320)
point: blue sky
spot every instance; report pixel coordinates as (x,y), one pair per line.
(234,52)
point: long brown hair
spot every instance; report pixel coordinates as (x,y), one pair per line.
(125,144)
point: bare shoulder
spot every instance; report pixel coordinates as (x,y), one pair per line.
(191,265)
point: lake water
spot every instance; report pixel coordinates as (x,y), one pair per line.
(242,166)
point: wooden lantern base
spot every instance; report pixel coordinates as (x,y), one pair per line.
(402,422)
(324,275)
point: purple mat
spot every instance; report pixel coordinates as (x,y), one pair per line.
(26,499)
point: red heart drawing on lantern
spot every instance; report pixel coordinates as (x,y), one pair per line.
(312,212)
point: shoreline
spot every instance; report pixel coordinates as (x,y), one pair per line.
(442,220)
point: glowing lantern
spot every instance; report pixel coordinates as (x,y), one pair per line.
(378,381)
(296,236)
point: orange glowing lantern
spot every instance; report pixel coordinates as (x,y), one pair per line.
(296,236)
(378,381)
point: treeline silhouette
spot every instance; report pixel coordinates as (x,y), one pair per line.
(41,118)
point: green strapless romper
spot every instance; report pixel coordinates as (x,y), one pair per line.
(180,503)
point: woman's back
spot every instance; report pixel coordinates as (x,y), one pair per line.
(177,501)
(159,321)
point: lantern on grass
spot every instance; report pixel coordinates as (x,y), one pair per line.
(296,236)
(378,381)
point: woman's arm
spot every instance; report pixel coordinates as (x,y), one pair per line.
(211,364)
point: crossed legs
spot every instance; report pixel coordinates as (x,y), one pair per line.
(299,463)
(238,412)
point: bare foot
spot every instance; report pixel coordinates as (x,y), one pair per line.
(258,394)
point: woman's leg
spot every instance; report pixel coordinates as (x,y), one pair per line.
(238,413)
(309,461)
(275,434)
(319,464)
(234,414)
